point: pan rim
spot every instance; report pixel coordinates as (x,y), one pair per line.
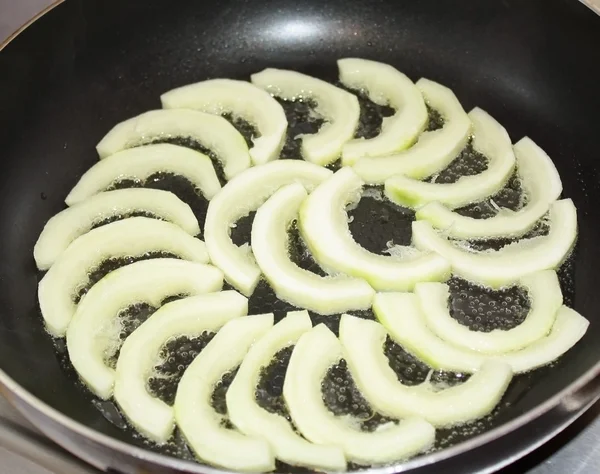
(566,399)
(4,43)
(9,388)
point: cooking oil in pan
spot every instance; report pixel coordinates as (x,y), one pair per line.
(378,225)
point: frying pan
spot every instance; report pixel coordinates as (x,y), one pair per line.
(87,64)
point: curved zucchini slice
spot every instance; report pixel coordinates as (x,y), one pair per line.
(315,352)
(140,163)
(385,86)
(505,266)
(200,424)
(363,343)
(242,99)
(545,297)
(402,316)
(270,245)
(238,198)
(133,237)
(187,317)
(252,420)
(211,131)
(67,225)
(433,151)
(94,329)
(541,184)
(338,107)
(491,140)
(324,225)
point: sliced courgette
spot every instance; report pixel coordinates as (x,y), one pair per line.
(433,151)
(211,131)
(315,352)
(339,108)
(241,99)
(540,183)
(270,245)
(66,226)
(93,335)
(242,195)
(497,268)
(139,163)
(363,342)
(189,317)
(491,140)
(545,299)
(385,85)
(253,420)
(200,424)
(133,237)
(402,316)
(324,225)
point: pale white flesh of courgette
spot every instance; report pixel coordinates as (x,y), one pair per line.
(433,151)
(363,342)
(339,108)
(491,140)
(323,224)
(545,299)
(402,316)
(200,424)
(132,237)
(253,420)
(302,288)
(94,331)
(314,353)
(211,131)
(241,99)
(240,196)
(385,85)
(190,317)
(540,183)
(497,268)
(139,163)
(64,227)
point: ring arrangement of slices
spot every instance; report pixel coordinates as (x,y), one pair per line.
(119,246)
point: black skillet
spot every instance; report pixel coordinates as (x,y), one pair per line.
(88,64)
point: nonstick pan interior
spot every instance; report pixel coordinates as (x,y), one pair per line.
(89,64)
